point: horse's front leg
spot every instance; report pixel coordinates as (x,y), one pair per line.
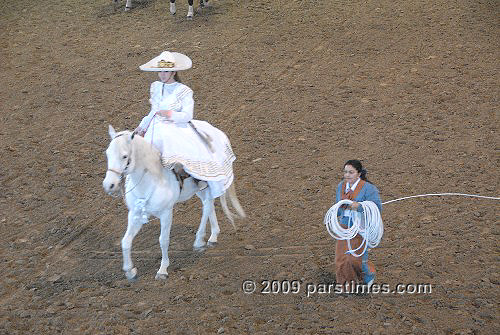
(166,224)
(190,10)
(132,230)
(214,229)
(208,207)
(128,5)
(172,7)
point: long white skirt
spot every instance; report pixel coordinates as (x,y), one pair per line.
(179,143)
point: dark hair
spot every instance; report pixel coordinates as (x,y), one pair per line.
(177,78)
(359,167)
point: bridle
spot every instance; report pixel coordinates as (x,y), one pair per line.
(123,173)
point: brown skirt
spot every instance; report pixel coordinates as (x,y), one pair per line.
(347,267)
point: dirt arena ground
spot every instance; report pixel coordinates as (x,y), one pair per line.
(299,86)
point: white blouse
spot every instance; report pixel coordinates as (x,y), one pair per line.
(176,97)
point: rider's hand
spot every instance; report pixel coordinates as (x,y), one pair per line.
(139,131)
(165,113)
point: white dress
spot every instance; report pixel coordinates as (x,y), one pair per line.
(179,142)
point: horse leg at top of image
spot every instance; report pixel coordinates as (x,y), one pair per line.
(204,4)
(190,13)
(172,7)
(128,5)
(190,10)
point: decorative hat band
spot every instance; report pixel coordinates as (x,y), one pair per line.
(165,64)
(168,61)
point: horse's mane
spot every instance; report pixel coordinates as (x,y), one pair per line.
(145,154)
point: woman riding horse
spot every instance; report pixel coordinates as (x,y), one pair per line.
(186,146)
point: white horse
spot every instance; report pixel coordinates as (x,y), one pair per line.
(153,190)
(173,10)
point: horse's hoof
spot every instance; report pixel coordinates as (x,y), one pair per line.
(161,276)
(128,8)
(199,249)
(190,13)
(211,244)
(131,275)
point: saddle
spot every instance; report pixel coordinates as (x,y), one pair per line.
(182,175)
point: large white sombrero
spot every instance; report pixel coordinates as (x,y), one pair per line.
(168,61)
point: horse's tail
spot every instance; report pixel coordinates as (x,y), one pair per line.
(231,192)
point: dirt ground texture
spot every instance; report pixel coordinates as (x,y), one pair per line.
(408,87)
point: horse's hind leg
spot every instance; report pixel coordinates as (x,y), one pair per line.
(128,5)
(172,7)
(190,10)
(132,230)
(166,224)
(208,207)
(214,229)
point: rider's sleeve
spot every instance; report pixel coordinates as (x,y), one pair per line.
(147,119)
(185,114)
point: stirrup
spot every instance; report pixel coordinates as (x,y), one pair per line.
(180,174)
(202,184)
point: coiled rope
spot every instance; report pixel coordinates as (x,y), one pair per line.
(369,225)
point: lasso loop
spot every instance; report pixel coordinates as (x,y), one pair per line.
(368,224)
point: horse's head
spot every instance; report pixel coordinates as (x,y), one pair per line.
(119,156)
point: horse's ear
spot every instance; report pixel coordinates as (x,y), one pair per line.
(111,131)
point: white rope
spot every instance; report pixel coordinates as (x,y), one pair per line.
(369,225)
(441,194)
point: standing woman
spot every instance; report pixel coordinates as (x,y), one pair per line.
(356,188)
